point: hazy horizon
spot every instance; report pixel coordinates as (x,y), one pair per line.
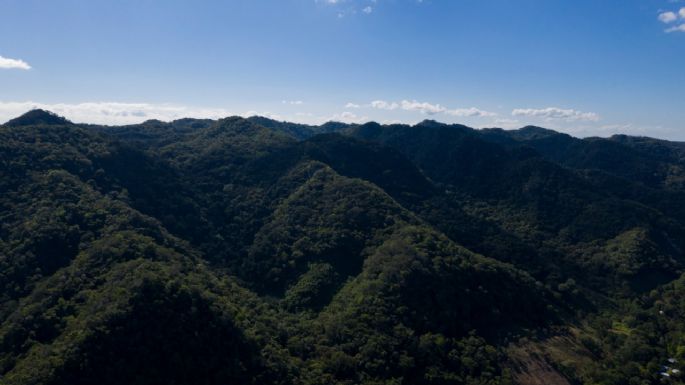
(337,121)
(585,68)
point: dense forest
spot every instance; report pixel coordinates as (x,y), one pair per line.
(252,251)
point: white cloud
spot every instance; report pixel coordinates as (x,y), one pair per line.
(427,108)
(7,63)
(113,113)
(423,107)
(367,10)
(348,117)
(392,121)
(383,105)
(407,105)
(670,17)
(667,17)
(469,112)
(293,102)
(679,28)
(352,105)
(554,113)
(507,123)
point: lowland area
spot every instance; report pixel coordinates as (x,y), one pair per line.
(252,251)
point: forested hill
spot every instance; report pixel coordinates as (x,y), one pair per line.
(253,251)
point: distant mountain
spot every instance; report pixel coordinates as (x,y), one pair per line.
(37,117)
(299,131)
(256,251)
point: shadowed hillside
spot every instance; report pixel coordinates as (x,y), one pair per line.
(256,251)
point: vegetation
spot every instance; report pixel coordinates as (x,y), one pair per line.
(256,251)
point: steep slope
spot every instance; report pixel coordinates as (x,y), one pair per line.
(95,271)
(645,160)
(101,293)
(416,312)
(154,133)
(380,280)
(298,131)
(256,251)
(95,291)
(328,219)
(556,211)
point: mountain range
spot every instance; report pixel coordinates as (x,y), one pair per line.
(253,251)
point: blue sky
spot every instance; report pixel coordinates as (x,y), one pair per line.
(587,67)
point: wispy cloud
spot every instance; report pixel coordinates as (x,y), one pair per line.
(293,102)
(422,107)
(554,113)
(7,63)
(678,28)
(669,17)
(470,112)
(354,7)
(507,123)
(383,105)
(348,117)
(428,108)
(409,105)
